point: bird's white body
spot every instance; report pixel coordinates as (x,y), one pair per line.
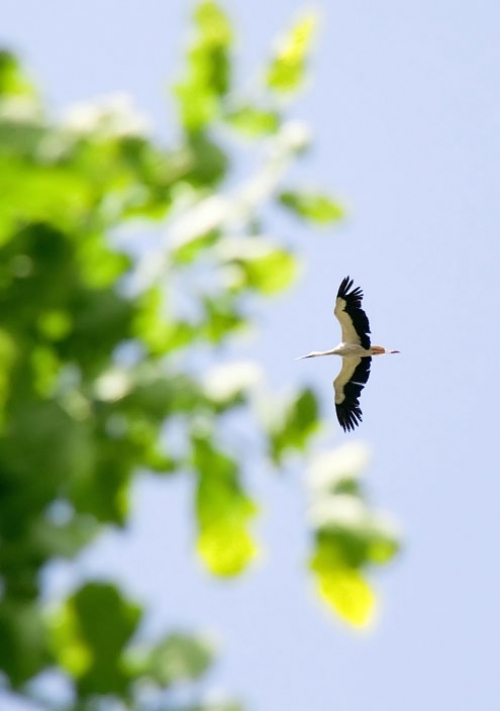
(347,350)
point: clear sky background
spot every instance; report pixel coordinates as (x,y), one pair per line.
(405,105)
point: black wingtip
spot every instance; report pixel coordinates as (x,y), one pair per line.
(349,418)
(344,287)
(344,292)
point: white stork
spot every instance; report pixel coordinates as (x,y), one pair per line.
(356,351)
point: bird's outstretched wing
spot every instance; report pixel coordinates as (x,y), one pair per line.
(348,386)
(353,320)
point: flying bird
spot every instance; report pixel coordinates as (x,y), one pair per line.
(356,352)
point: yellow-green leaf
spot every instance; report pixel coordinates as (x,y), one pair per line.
(213,24)
(286,71)
(254,122)
(349,595)
(226,548)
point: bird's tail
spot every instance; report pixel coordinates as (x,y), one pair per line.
(380,350)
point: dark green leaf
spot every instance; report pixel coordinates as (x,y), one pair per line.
(23,650)
(90,635)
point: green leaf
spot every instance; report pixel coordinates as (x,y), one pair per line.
(349,533)
(271,273)
(208,75)
(7,359)
(104,490)
(385,541)
(208,163)
(254,122)
(100,266)
(343,544)
(221,318)
(66,539)
(226,547)
(349,539)
(224,512)
(23,651)
(286,70)
(42,193)
(43,449)
(179,657)
(313,207)
(263,267)
(349,594)
(90,634)
(296,425)
(12,80)
(213,24)
(55,324)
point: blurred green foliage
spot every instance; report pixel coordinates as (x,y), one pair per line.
(316,208)
(79,420)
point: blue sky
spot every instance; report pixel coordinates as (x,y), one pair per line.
(405,104)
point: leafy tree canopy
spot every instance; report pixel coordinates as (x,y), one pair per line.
(91,335)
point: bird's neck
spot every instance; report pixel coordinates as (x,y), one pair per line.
(316,354)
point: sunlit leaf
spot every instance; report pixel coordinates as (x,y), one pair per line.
(55,324)
(198,107)
(57,195)
(253,122)
(226,548)
(69,647)
(287,68)
(349,595)
(46,368)
(224,512)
